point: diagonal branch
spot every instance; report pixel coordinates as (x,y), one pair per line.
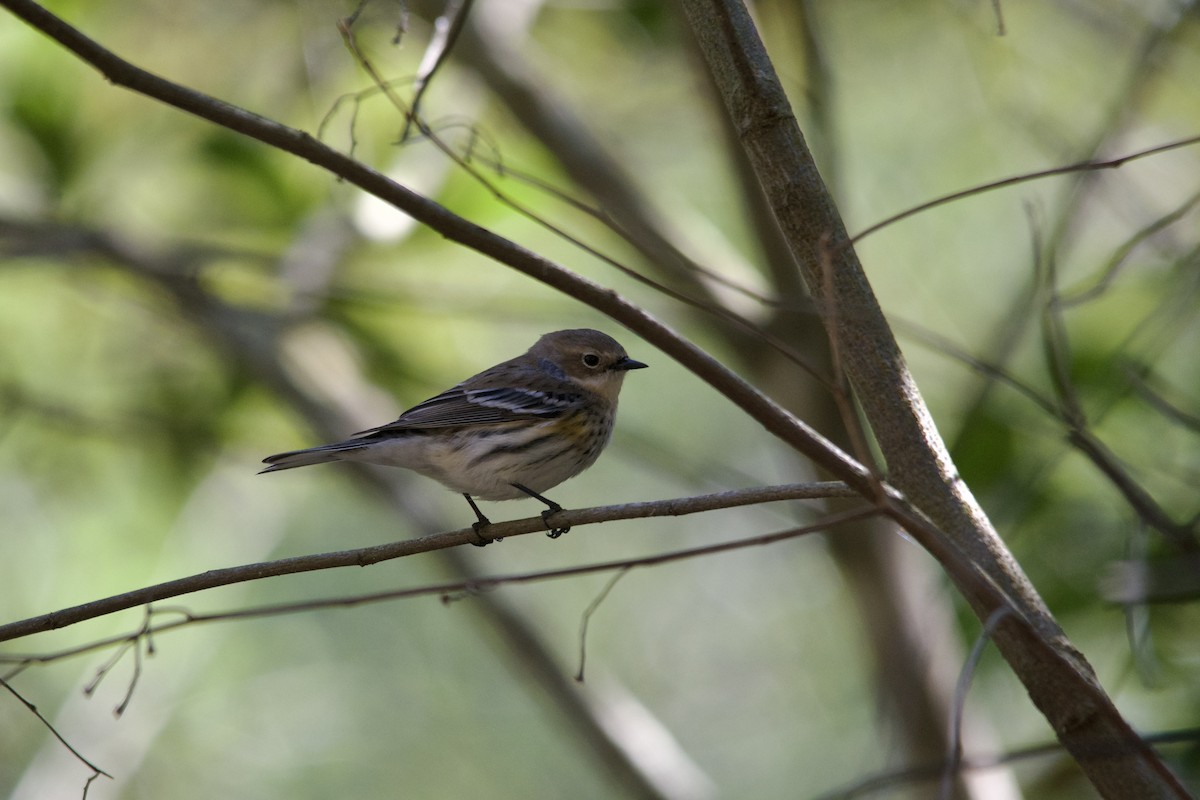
(455,228)
(949,523)
(1059,680)
(53,731)
(1024,177)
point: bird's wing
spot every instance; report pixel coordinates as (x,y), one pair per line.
(468,406)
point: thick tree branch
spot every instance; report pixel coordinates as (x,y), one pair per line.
(914,644)
(290,140)
(1058,679)
(1029,639)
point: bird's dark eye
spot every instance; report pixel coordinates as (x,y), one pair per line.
(591,360)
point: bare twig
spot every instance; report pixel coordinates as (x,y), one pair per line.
(453,590)
(993,372)
(587,618)
(447,28)
(1157,401)
(703,303)
(132,642)
(50,727)
(1030,640)
(1181,535)
(372,555)
(1026,177)
(930,772)
(954,746)
(1056,346)
(1055,674)
(1117,118)
(1109,272)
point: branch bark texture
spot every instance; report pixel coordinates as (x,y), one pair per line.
(1063,687)
(1058,679)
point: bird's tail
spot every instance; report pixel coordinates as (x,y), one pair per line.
(313,455)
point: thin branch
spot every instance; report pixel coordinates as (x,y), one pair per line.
(587,618)
(452,590)
(1108,274)
(1003,183)
(944,345)
(1056,346)
(50,727)
(929,772)
(447,28)
(956,531)
(1078,436)
(132,642)
(607,219)
(1153,398)
(127,642)
(1031,640)
(1117,119)
(1181,535)
(705,304)
(954,746)
(372,555)
(503,64)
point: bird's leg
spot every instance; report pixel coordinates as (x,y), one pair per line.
(552,508)
(480,523)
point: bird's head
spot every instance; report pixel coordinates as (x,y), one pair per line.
(588,357)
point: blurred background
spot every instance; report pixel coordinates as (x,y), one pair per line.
(177,302)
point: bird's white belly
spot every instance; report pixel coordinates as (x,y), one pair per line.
(485,463)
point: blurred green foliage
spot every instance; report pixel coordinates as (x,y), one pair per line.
(144,252)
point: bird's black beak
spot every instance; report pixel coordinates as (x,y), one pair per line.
(628,363)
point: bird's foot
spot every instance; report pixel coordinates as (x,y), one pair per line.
(554,532)
(552,508)
(481,522)
(480,539)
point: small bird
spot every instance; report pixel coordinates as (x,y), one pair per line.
(515,430)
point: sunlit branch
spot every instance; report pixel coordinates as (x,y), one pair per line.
(447,29)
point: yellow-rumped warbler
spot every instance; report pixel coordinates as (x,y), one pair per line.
(514,430)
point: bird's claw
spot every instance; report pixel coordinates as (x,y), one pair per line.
(483,541)
(552,508)
(554,531)
(479,524)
